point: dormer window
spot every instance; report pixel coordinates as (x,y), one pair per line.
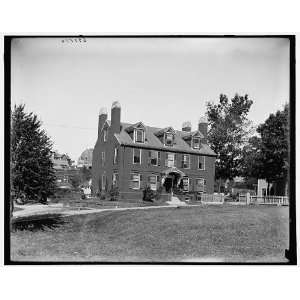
(196,143)
(169,139)
(139,136)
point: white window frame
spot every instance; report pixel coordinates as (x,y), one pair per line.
(156,158)
(135,136)
(167,159)
(189,159)
(165,139)
(103,182)
(203,162)
(103,158)
(135,163)
(132,180)
(198,138)
(188,184)
(153,175)
(204,183)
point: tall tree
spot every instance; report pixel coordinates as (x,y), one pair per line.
(229,130)
(32,170)
(268,157)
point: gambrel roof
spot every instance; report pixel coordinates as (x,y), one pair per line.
(153,142)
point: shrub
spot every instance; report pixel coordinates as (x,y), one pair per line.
(148,194)
(114,193)
(158,192)
(102,195)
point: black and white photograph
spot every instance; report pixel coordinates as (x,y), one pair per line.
(159,149)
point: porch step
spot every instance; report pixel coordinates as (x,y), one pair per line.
(175,201)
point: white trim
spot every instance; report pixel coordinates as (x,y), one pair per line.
(103,158)
(204,183)
(165,138)
(189,166)
(133,156)
(132,180)
(156,158)
(103,182)
(156,181)
(203,162)
(188,179)
(193,145)
(135,135)
(167,159)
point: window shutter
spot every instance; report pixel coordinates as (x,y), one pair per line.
(149,158)
(175,158)
(190,184)
(158,158)
(130,181)
(182,161)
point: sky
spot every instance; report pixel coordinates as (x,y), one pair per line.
(161,82)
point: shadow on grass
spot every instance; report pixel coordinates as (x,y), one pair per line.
(37,223)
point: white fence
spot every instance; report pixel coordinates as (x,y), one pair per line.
(279,200)
(274,200)
(212,198)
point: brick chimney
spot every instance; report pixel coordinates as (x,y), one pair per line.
(102,119)
(202,127)
(187,126)
(115,117)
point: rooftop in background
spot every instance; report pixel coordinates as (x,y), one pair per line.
(61,161)
(85,158)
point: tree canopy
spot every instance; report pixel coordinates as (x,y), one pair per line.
(267,156)
(32,171)
(229,129)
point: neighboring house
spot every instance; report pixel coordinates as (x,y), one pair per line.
(132,156)
(276,188)
(85,159)
(64,169)
(61,161)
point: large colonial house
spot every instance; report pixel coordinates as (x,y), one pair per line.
(132,156)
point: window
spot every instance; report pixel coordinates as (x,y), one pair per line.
(115,179)
(153,158)
(103,158)
(116,156)
(139,136)
(135,180)
(169,139)
(201,162)
(137,154)
(200,184)
(105,135)
(185,161)
(170,161)
(153,182)
(196,143)
(103,183)
(186,184)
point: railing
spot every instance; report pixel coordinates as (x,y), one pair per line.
(279,200)
(211,198)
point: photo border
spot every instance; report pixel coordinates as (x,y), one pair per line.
(290,254)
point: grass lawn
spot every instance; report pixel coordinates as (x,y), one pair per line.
(206,234)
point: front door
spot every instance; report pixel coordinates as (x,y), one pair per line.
(168,184)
